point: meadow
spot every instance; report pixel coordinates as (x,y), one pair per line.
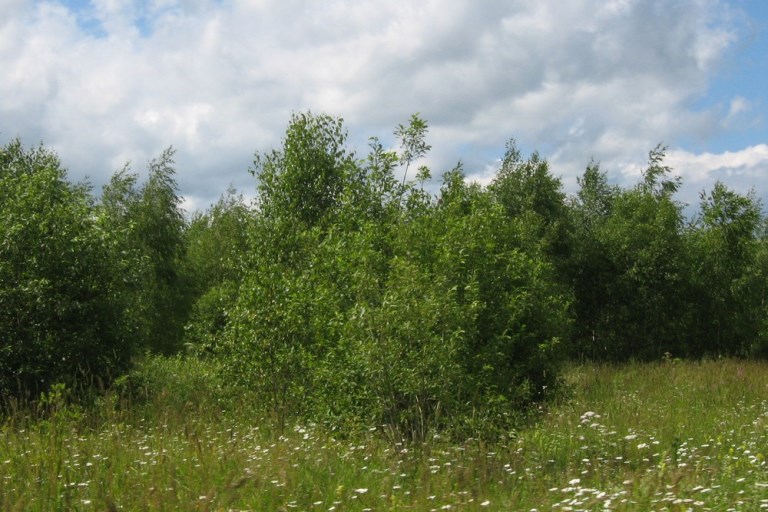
(669,435)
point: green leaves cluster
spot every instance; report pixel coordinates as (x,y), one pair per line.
(649,282)
(364,300)
(348,294)
(59,313)
(355,297)
(84,286)
(149,246)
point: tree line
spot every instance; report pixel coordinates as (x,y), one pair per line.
(349,296)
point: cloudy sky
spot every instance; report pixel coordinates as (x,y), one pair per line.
(105,82)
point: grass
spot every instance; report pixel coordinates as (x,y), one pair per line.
(662,436)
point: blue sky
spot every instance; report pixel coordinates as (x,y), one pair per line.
(744,73)
(105,82)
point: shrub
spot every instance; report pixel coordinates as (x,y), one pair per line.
(60,301)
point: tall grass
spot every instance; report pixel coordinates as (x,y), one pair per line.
(668,435)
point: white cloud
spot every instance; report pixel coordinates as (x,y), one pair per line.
(709,167)
(126,78)
(743,171)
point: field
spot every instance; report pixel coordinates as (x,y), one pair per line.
(661,436)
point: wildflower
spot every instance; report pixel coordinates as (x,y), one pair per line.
(361,491)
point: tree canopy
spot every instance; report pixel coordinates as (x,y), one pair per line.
(345,294)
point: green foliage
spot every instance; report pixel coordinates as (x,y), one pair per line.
(163,385)
(412,140)
(656,180)
(61,312)
(647,284)
(216,242)
(365,302)
(591,266)
(303,182)
(529,192)
(645,299)
(349,298)
(85,286)
(146,227)
(726,278)
(630,267)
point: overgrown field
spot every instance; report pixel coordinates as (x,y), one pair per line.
(662,436)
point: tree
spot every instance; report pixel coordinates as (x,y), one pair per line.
(412,140)
(363,301)
(273,337)
(147,227)
(61,316)
(528,190)
(303,182)
(630,267)
(160,226)
(728,297)
(216,243)
(591,268)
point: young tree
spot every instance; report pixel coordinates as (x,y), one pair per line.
(528,190)
(630,267)
(216,243)
(61,316)
(590,268)
(273,336)
(303,182)
(370,302)
(160,226)
(147,227)
(728,301)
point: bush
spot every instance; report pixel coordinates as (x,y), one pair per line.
(60,309)
(381,305)
(175,384)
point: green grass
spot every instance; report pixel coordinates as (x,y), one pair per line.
(663,436)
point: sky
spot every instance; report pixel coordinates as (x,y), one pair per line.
(104,83)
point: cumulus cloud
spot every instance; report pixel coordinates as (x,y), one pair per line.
(118,80)
(741,170)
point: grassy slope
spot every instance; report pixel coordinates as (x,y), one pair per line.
(639,437)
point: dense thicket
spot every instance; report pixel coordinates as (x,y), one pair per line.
(148,227)
(84,285)
(352,296)
(364,299)
(59,306)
